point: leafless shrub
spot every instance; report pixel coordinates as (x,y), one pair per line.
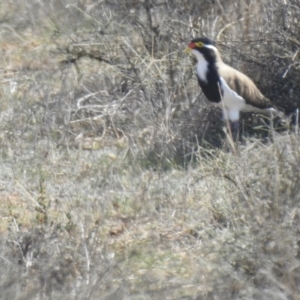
(100,111)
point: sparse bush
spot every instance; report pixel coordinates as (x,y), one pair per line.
(116,179)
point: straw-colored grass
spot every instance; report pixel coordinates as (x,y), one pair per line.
(117,181)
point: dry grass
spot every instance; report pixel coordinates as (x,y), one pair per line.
(116,180)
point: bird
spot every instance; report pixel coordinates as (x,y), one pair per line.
(226,87)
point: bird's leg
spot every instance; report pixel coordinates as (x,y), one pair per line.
(234,127)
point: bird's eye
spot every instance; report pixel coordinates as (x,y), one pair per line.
(199,44)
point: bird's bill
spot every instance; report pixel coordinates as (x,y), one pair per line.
(190,47)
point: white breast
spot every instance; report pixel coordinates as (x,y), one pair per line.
(232,103)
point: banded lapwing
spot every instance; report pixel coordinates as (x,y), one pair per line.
(226,87)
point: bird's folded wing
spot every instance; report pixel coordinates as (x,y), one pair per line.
(244,87)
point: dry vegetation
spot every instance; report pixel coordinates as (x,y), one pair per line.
(116,181)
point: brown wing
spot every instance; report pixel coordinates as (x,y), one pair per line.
(244,86)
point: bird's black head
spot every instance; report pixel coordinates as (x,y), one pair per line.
(200,42)
(205,46)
